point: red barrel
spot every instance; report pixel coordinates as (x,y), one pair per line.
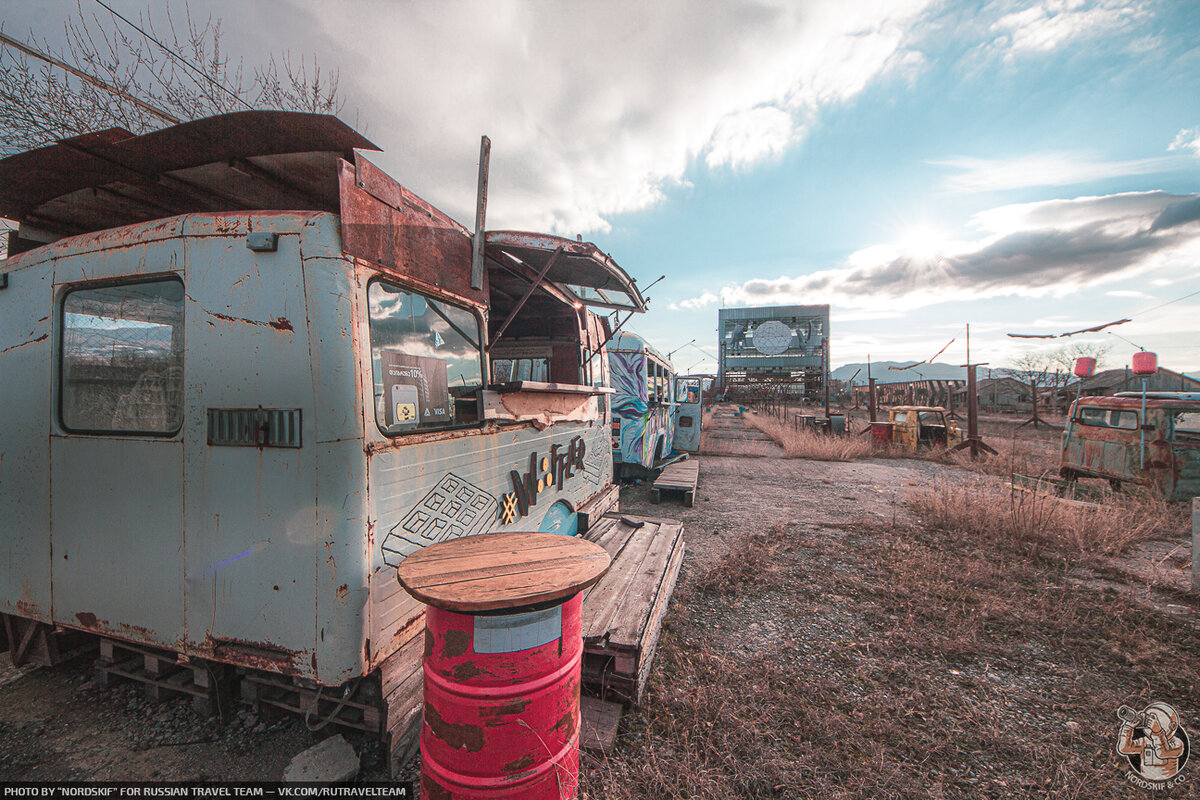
(503,649)
(503,722)
(881,433)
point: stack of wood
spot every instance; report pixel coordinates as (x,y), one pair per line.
(623,613)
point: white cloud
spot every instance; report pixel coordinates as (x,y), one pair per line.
(1134,293)
(748,136)
(1044,249)
(693,303)
(1187,139)
(1049,25)
(598,109)
(1041,169)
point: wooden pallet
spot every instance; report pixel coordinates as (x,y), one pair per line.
(403,691)
(623,613)
(167,675)
(598,721)
(360,711)
(682,476)
(28,641)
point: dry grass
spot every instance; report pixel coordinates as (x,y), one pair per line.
(753,561)
(1041,524)
(807,443)
(939,662)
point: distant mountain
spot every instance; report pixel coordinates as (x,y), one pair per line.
(881,373)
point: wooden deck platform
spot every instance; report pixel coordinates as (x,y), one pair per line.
(623,613)
(682,477)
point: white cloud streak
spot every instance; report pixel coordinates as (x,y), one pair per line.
(1187,139)
(1042,169)
(1049,248)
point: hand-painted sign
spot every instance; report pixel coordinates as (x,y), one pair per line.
(552,470)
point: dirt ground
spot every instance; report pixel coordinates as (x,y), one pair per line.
(823,641)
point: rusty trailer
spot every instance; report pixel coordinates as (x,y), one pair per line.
(247,373)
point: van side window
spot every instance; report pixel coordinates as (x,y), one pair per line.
(1187,426)
(508,370)
(1108,418)
(426,361)
(121,358)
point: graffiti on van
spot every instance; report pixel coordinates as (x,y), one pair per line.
(643,417)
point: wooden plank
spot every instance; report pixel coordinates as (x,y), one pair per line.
(628,625)
(602,604)
(649,644)
(593,510)
(598,721)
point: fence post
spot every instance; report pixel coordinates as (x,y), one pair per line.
(1195,543)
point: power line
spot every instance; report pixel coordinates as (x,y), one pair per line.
(1163,305)
(31,51)
(175,55)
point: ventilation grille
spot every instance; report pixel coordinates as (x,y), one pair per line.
(254,427)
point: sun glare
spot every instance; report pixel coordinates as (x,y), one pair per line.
(923,242)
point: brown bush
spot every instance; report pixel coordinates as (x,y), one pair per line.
(808,443)
(1037,523)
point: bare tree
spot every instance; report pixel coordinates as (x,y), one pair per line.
(142,85)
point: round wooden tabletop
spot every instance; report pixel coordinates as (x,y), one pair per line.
(497,571)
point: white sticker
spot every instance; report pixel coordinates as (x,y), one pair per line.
(512,633)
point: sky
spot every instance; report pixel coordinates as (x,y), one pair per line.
(1024,166)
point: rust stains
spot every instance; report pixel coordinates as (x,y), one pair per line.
(86,619)
(279,323)
(428,644)
(459,737)
(517,765)
(456,643)
(432,789)
(515,707)
(567,724)
(342,592)
(41,338)
(465,671)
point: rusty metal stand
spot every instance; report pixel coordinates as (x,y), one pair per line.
(973,440)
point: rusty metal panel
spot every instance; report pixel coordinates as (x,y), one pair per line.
(390,228)
(25,314)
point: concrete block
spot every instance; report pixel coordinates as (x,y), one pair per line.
(331,761)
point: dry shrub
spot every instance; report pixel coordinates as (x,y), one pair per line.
(1014,455)
(1037,523)
(751,562)
(808,443)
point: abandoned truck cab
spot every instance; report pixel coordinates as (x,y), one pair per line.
(1107,437)
(228,424)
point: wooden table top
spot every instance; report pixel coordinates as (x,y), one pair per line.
(496,571)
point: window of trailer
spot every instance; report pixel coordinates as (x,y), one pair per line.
(121,358)
(426,361)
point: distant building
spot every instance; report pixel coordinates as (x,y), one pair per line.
(1111,381)
(774,345)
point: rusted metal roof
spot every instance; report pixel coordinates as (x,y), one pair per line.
(278,160)
(582,269)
